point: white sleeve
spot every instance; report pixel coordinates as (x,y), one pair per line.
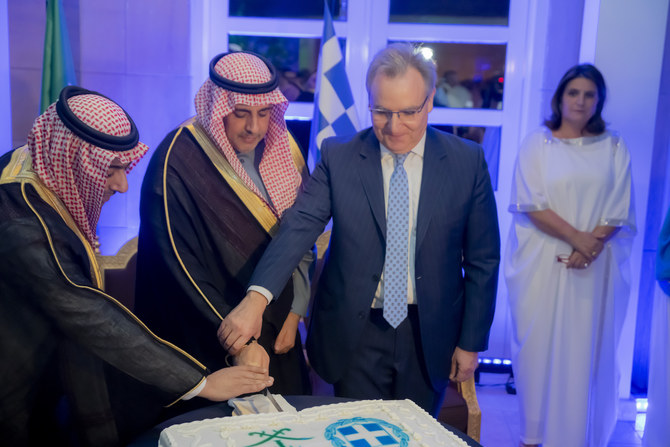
(263,291)
(528,191)
(195,391)
(619,210)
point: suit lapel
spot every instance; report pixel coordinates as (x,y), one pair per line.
(370,171)
(434,169)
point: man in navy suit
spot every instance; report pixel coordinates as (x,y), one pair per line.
(360,338)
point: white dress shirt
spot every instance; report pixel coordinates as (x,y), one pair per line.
(414,168)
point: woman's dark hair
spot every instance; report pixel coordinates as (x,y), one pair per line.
(595,125)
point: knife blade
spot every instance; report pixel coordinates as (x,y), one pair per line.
(267,394)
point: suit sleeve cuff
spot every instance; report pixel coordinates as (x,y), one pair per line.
(263,291)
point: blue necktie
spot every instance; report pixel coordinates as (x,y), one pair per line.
(397,232)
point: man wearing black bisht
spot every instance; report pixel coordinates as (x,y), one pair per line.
(212,198)
(59,333)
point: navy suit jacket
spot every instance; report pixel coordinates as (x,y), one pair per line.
(456,260)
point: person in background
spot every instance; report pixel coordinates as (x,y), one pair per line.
(450,93)
(289,85)
(567,267)
(212,197)
(57,328)
(407,293)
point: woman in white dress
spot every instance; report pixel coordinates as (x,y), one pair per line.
(567,268)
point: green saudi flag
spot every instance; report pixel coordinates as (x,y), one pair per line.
(58,67)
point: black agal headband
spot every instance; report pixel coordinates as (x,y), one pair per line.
(240,87)
(86,132)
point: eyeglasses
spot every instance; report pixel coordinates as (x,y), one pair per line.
(408,115)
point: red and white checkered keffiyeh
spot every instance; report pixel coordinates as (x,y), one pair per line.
(212,103)
(73,169)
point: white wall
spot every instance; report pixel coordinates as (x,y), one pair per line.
(626,43)
(144,66)
(544,42)
(5,99)
(519,66)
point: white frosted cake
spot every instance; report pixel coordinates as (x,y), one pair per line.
(368,423)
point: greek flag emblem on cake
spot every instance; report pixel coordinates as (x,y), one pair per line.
(365,432)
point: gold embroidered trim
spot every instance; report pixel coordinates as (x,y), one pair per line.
(169,226)
(20,170)
(100,292)
(180,398)
(296,153)
(257,206)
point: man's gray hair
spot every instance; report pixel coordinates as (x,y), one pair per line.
(395,59)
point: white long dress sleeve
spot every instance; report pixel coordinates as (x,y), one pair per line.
(567,322)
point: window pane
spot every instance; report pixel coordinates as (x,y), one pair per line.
(287,9)
(300,129)
(296,60)
(470,12)
(488,137)
(468,75)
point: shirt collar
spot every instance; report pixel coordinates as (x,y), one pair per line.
(416,150)
(253,157)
